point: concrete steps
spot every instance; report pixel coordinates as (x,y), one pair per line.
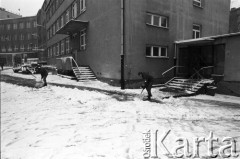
(84,73)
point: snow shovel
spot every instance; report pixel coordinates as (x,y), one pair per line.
(38,82)
(141,96)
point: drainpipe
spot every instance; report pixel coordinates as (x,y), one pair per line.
(122,42)
(175,57)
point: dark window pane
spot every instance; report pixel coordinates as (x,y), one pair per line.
(164,52)
(156,20)
(164,22)
(148,51)
(155,51)
(149,17)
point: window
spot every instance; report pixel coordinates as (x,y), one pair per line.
(62,21)
(67,16)
(62,47)
(21,37)
(74,10)
(54,29)
(21,25)
(29,47)
(22,47)
(156,51)
(196,31)
(57,49)
(3,49)
(15,37)
(67,46)
(54,50)
(50,32)
(35,47)
(15,48)
(29,36)
(57,25)
(82,6)
(197,3)
(28,25)
(9,48)
(34,24)
(14,26)
(83,39)
(156,20)
(8,26)
(51,52)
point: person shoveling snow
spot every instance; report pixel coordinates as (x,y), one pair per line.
(44,74)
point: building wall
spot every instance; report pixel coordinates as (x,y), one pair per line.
(7,36)
(232,56)
(234,24)
(7,15)
(213,17)
(104,32)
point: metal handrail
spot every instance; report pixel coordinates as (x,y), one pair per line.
(170,69)
(197,72)
(77,65)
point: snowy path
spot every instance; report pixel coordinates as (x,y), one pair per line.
(64,123)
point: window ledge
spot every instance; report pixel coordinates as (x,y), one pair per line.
(157,57)
(197,6)
(157,26)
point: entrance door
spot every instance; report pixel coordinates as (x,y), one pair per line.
(219,59)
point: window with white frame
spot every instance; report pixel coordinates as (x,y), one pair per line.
(15,48)
(196,31)
(67,16)
(82,6)
(48,52)
(9,48)
(21,37)
(62,21)
(51,55)
(74,10)
(83,39)
(57,49)
(29,47)
(62,47)
(21,25)
(8,26)
(197,3)
(2,38)
(67,46)
(156,51)
(28,25)
(34,24)
(22,47)
(54,29)
(54,50)
(35,47)
(157,20)
(14,26)
(3,49)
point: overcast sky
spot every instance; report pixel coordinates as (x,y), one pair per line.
(31,7)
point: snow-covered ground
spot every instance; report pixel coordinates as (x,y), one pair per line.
(66,123)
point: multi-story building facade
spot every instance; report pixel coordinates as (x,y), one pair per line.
(18,39)
(4,14)
(119,38)
(234,24)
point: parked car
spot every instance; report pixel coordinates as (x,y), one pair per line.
(25,68)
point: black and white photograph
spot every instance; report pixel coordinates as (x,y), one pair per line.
(120,79)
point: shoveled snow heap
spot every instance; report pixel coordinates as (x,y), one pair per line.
(62,123)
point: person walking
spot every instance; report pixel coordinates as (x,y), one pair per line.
(148,82)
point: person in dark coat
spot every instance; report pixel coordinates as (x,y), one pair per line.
(43,72)
(2,64)
(148,82)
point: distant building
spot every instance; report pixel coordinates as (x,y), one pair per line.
(119,38)
(4,14)
(18,39)
(234,24)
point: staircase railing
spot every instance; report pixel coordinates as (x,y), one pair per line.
(76,65)
(170,69)
(197,72)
